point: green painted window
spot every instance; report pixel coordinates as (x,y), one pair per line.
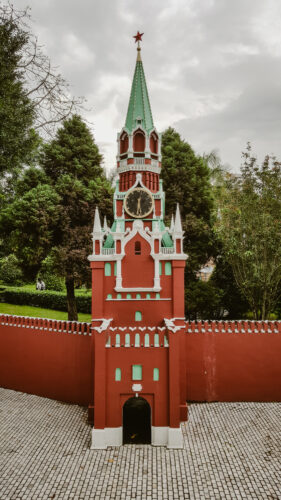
(160,268)
(107,269)
(129,296)
(127,340)
(118,374)
(138,296)
(156,340)
(119,296)
(109,296)
(138,316)
(148,295)
(115,268)
(137,372)
(146,340)
(156,374)
(137,340)
(117,340)
(168,268)
(157,296)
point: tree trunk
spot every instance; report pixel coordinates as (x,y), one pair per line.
(71,302)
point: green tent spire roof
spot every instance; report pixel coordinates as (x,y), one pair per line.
(139,106)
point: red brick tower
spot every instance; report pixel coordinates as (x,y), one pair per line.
(138,296)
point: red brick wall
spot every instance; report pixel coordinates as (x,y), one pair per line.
(233,361)
(225,361)
(46,358)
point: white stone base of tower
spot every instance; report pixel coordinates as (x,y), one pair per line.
(160,436)
(102,438)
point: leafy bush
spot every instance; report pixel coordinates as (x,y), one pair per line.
(49,276)
(45,299)
(10,271)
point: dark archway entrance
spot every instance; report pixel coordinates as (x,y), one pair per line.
(136,421)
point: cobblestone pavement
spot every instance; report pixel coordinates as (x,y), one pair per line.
(232,451)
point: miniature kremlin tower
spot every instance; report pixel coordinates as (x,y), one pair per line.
(138,319)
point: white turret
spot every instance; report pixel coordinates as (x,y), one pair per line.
(105,226)
(177,232)
(97,224)
(178,226)
(97,234)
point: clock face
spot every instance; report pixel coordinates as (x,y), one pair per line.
(138,203)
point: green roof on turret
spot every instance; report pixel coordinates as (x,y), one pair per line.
(139,105)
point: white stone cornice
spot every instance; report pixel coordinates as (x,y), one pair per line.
(135,289)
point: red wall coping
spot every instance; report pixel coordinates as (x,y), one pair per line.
(46,324)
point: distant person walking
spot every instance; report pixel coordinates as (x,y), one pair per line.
(40,285)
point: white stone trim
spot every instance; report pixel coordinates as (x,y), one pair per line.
(159,436)
(138,168)
(102,438)
(121,289)
(175,438)
(132,300)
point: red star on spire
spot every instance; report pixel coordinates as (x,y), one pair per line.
(138,37)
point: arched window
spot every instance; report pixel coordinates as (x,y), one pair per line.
(124,143)
(109,296)
(137,340)
(137,248)
(155,374)
(107,269)
(156,340)
(117,340)
(138,316)
(137,372)
(146,340)
(127,340)
(139,141)
(153,143)
(118,374)
(168,268)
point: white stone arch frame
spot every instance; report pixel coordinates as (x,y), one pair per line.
(138,228)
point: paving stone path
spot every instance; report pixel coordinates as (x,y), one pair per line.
(232,451)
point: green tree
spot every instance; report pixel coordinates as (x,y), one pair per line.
(233,304)
(249,228)
(18,140)
(72,164)
(28,224)
(186,180)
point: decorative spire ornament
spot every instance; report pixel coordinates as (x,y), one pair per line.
(97,224)
(138,38)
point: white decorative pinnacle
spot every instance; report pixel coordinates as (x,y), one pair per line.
(172,224)
(178,226)
(97,224)
(105,226)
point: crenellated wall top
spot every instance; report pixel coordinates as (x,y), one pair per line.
(44,324)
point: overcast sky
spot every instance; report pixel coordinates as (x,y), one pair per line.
(212,67)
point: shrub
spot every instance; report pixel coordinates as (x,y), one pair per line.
(10,271)
(49,276)
(45,299)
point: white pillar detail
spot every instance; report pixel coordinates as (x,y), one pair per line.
(118,274)
(156,273)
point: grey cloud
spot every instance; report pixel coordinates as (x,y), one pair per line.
(209,68)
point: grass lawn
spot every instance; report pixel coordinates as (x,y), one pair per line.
(37,312)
